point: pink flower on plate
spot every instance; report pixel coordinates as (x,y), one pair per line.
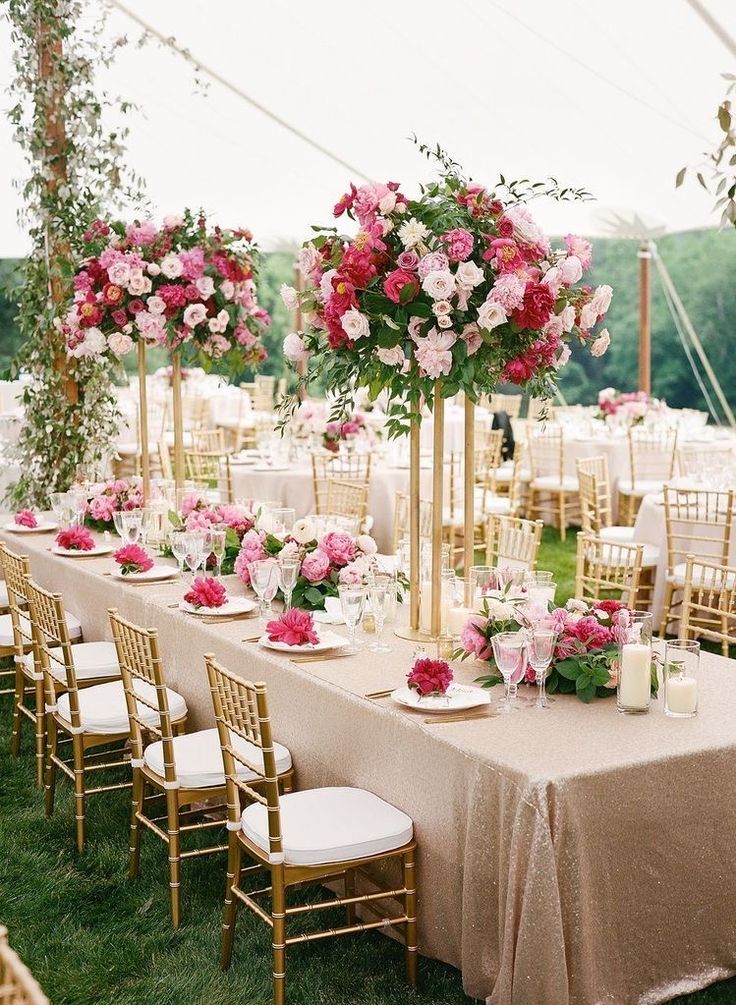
(75,539)
(430,676)
(339,547)
(26,518)
(294,628)
(315,565)
(132,558)
(206,591)
(433,352)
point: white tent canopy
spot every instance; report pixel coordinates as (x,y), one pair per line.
(613,97)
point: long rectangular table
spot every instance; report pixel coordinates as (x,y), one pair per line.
(570,857)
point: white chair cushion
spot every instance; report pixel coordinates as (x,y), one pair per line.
(569,483)
(677,576)
(102,708)
(6,628)
(3,594)
(497,504)
(198,759)
(330,825)
(649,557)
(91,659)
(641,488)
(623,535)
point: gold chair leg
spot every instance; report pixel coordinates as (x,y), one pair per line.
(79,793)
(228,921)
(563,515)
(278,916)
(410,909)
(17,702)
(136,807)
(350,892)
(172,813)
(52,745)
(40,732)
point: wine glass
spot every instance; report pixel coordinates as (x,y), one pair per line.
(218,536)
(264,578)
(352,602)
(178,543)
(379,591)
(540,649)
(288,573)
(193,552)
(117,519)
(508,652)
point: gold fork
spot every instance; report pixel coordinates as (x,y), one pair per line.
(460,718)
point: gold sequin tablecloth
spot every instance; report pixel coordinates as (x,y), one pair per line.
(572,857)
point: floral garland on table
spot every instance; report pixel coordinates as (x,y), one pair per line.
(630,408)
(586,652)
(199,514)
(180,286)
(113,496)
(335,559)
(457,284)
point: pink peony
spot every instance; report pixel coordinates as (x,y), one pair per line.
(430,676)
(132,558)
(581,249)
(102,508)
(339,547)
(592,633)
(75,539)
(433,353)
(315,565)
(435,261)
(26,518)
(251,550)
(295,628)
(459,244)
(472,638)
(206,592)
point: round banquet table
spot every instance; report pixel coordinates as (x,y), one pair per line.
(292,485)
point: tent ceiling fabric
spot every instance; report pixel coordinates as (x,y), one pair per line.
(615,97)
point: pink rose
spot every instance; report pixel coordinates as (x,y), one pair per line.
(408,261)
(315,565)
(398,281)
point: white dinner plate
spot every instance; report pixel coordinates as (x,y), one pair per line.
(270,467)
(458,698)
(158,573)
(43,527)
(237,605)
(327,640)
(100,549)
(242,462)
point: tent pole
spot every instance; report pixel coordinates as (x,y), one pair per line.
(645,316)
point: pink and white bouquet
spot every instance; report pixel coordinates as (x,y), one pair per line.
(113,496)
(629,408)
(457,284)
(206,591)
(197,513)
(336,558)
(181,286)
(132,559)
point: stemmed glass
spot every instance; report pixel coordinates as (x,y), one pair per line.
(218,537)
(379,590)
(508,652)
(288,573)
(178,542)
(64,510)
(352,602)
(193,552)
(540,651)
(132,524)
(264,578)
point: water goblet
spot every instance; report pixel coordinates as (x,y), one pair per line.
(352,602)
(288,574)
(264,578)
(379,592)
(178,544)
(194,552)
(218,536)
(508,652)
(540,651)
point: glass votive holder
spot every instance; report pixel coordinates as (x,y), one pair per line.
(482,581)
(681,666)
(633,688)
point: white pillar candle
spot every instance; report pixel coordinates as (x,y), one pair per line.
(425,606)
(682,695)
(635,671)
(456,618)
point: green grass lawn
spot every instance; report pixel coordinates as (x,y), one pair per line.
(93,937)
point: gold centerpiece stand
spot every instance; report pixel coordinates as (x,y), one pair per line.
(143,420)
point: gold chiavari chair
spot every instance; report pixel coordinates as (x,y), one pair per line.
(208,441)
(92,719)
(508,403)
(537,409)
(27,672)
(326,466)
(513,542)
(695,458)
(709,603)
(549,485)
(18,986)
(295,839)
(164,460)
(607,570)
(651,464)
(595,500)
(211,469)
(348,499)
(195,411)
(401,519)
(181,768)
(699,523)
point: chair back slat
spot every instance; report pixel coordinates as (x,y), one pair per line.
(709,602)
(513,542)
(326,466)
(401,519)
(595,494)
(607,570)
(651,454)
(699,523)
(347,499)
(546,445)
(53,646)
(18,986)
(16,570)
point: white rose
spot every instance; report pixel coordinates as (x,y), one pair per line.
(156,305)
(153,269)
(194,315)
(290,550)
(588,316)
(120,344)
(441,307)
(602,299)
(553,327)
(525,229)
(325,285)
(553,279)
(307,259)
(119,273)
(571,270)
(295,349)
(388,203)
(137,283)
(366,544)
(303,531)
(227,288)
(94,343)
(601,344)
(354,324)
(469,275)
(568,318)
(440,284)
(171,266)
(498,610)
(412,232)
(289,297)
(444,321)
(491,315)
(206,286)
(391,357)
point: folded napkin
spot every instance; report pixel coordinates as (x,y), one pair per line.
(332,614)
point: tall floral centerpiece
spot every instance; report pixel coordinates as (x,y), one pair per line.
(183,286)
(449,290)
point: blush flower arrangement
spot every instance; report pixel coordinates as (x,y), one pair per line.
(132,559)
(75,539)
(111,497)
(180,286)
(630,408)
(206,591)
(457,283)
(586,652)
(430,677)
(197,513)
(294,627)
(26,518)
(342,432)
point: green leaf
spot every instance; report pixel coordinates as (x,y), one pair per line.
(420,309)
(680,177)
(314,597)
(569,669)
(585,688)
(387,338)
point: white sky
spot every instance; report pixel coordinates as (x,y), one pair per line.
(526,87)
